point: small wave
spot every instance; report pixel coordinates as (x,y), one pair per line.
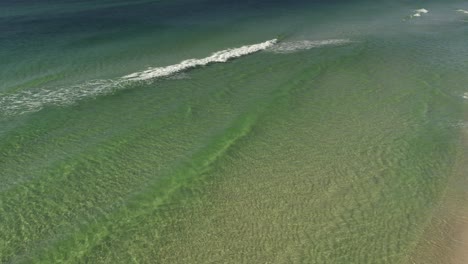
(292,46)
(419,12)
(220,56)
(465,96)
(462,11)
(35,100)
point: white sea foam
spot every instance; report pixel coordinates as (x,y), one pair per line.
(465,96)
(419,12)
(292,46)
(220,56)
(35,100)
(462,11)
(422,10)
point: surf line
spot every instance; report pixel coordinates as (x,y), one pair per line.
(34,100)
(220,56)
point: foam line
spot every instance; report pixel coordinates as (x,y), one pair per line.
(35,100)
(220,56)
(462,11)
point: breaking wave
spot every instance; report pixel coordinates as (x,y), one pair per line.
(35,100)
(220,56)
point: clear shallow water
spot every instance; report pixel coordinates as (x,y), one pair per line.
(306,151)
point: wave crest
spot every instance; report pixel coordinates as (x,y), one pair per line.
(419,12)
(35,100)
(220,56)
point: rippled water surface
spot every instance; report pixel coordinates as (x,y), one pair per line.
(233,132)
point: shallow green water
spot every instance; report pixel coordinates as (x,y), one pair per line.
(302,152)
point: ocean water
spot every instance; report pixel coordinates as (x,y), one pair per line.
(233,131)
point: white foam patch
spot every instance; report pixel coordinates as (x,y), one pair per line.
(35,100)
(422,11)
(293,46)
(465,96)
(419,12)
(462,11)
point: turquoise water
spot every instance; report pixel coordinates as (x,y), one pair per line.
(221,132)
